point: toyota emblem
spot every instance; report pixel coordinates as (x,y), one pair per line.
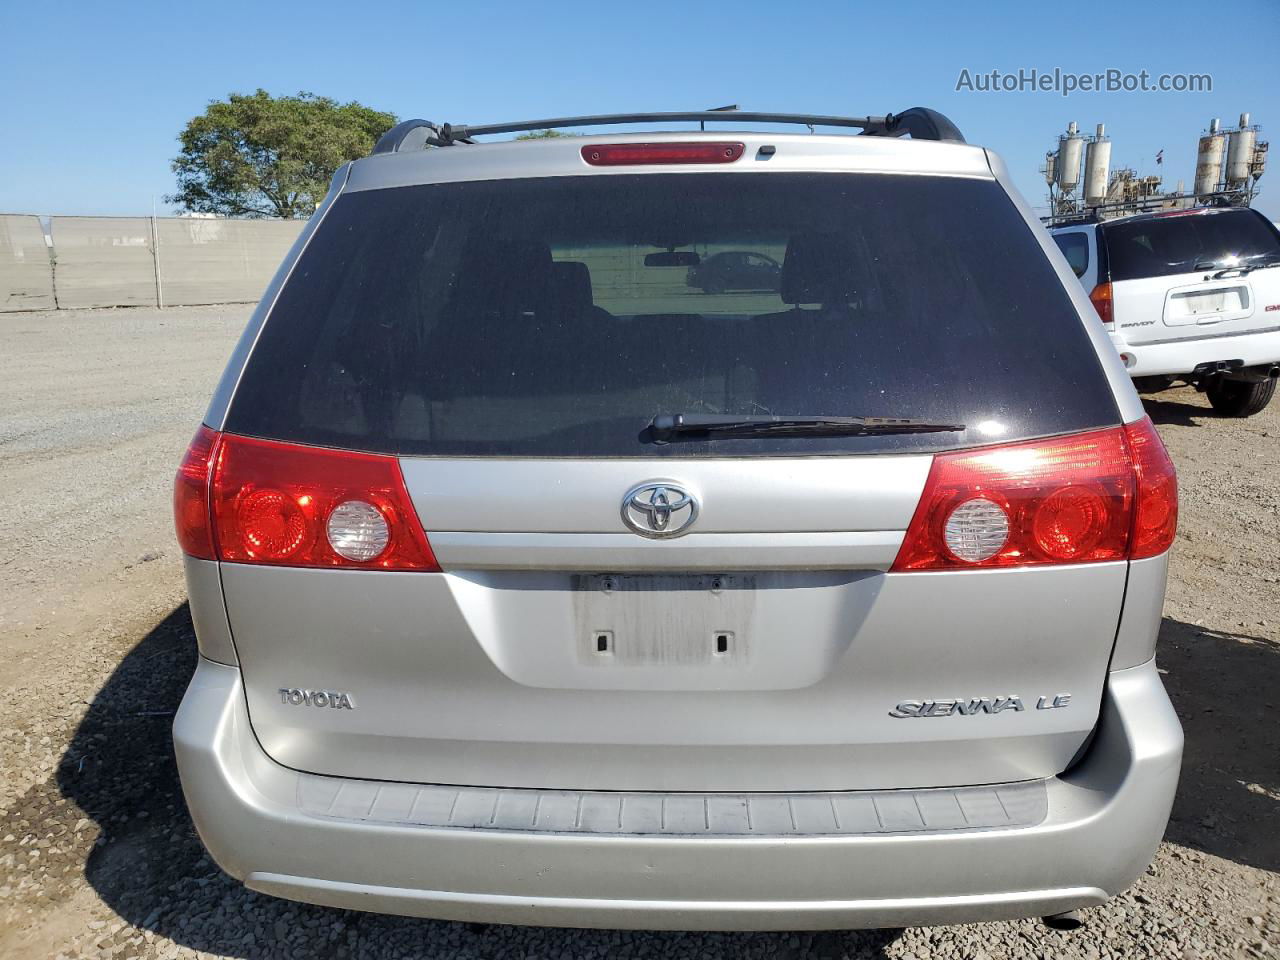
(659,509)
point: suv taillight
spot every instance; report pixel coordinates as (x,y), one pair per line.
(243,500)
(1103,495)
(1100,297)
(1155,520)
(191,496)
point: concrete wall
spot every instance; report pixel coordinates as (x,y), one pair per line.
(134,261)
(220,261)
(26,277)
(103,262)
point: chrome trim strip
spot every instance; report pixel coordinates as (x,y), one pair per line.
(1211,336)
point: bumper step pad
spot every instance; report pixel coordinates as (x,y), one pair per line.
(856,813)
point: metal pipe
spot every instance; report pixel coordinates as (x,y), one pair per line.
(1070,920)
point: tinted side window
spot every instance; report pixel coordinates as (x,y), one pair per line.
(1075,247)
(531,317)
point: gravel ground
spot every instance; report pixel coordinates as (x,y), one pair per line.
(97,854)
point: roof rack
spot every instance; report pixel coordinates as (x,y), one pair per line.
(920,123)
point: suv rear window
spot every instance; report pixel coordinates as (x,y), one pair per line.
(1183,243)
(555,317)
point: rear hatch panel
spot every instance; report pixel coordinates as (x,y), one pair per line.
(1173,278)
(510,341)
(488,683)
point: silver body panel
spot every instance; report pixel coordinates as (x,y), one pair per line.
(560,157)
(477,679)
(804,495)
(208,610)
(1143,611)
(249,814)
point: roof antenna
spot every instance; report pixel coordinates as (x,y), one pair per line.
(727,108)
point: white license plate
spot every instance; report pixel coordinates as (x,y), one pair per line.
(1205,302)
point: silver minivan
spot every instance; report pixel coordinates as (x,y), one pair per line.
(536,584)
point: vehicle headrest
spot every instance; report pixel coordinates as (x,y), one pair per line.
(522,258)
(505,275)
(571,281)
(819,268)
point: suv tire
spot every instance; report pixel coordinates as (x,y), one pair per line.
(1236,398)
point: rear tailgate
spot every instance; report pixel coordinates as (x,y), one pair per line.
(490,674)
(1180,277)
(510,340)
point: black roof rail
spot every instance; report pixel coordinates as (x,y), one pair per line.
(920,123)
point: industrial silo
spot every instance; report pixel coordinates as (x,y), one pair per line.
(1240,149)
(1070,151)
(1209,160)
(1097,167)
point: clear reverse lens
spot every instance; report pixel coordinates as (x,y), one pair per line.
(357,530)
(976,530)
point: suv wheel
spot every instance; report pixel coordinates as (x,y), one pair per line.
(1236,398)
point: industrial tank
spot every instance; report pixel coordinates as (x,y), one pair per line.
(1240,148)
(1070,149)
(1097,167)
(1050,167)
(1209,160)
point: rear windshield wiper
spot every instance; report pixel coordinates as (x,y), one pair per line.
(696,426)
(1243,269)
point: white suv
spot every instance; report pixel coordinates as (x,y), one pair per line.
(1187,295)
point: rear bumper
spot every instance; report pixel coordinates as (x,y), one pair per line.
(1175,357)
(1104,820)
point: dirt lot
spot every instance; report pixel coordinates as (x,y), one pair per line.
(97,854)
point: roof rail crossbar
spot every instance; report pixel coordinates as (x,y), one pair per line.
(920,122)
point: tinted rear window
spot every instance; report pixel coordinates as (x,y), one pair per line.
(1163,246)
(556,317)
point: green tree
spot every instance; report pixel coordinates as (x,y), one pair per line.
(255,155)
(544,135)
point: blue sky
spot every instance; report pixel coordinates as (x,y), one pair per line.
(95,96)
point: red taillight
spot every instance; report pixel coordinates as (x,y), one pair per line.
(191,496)
(1155,520)
(289,505)
(629,154)
(1081,499)
(1100,297)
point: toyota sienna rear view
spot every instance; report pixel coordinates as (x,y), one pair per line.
(534,584)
